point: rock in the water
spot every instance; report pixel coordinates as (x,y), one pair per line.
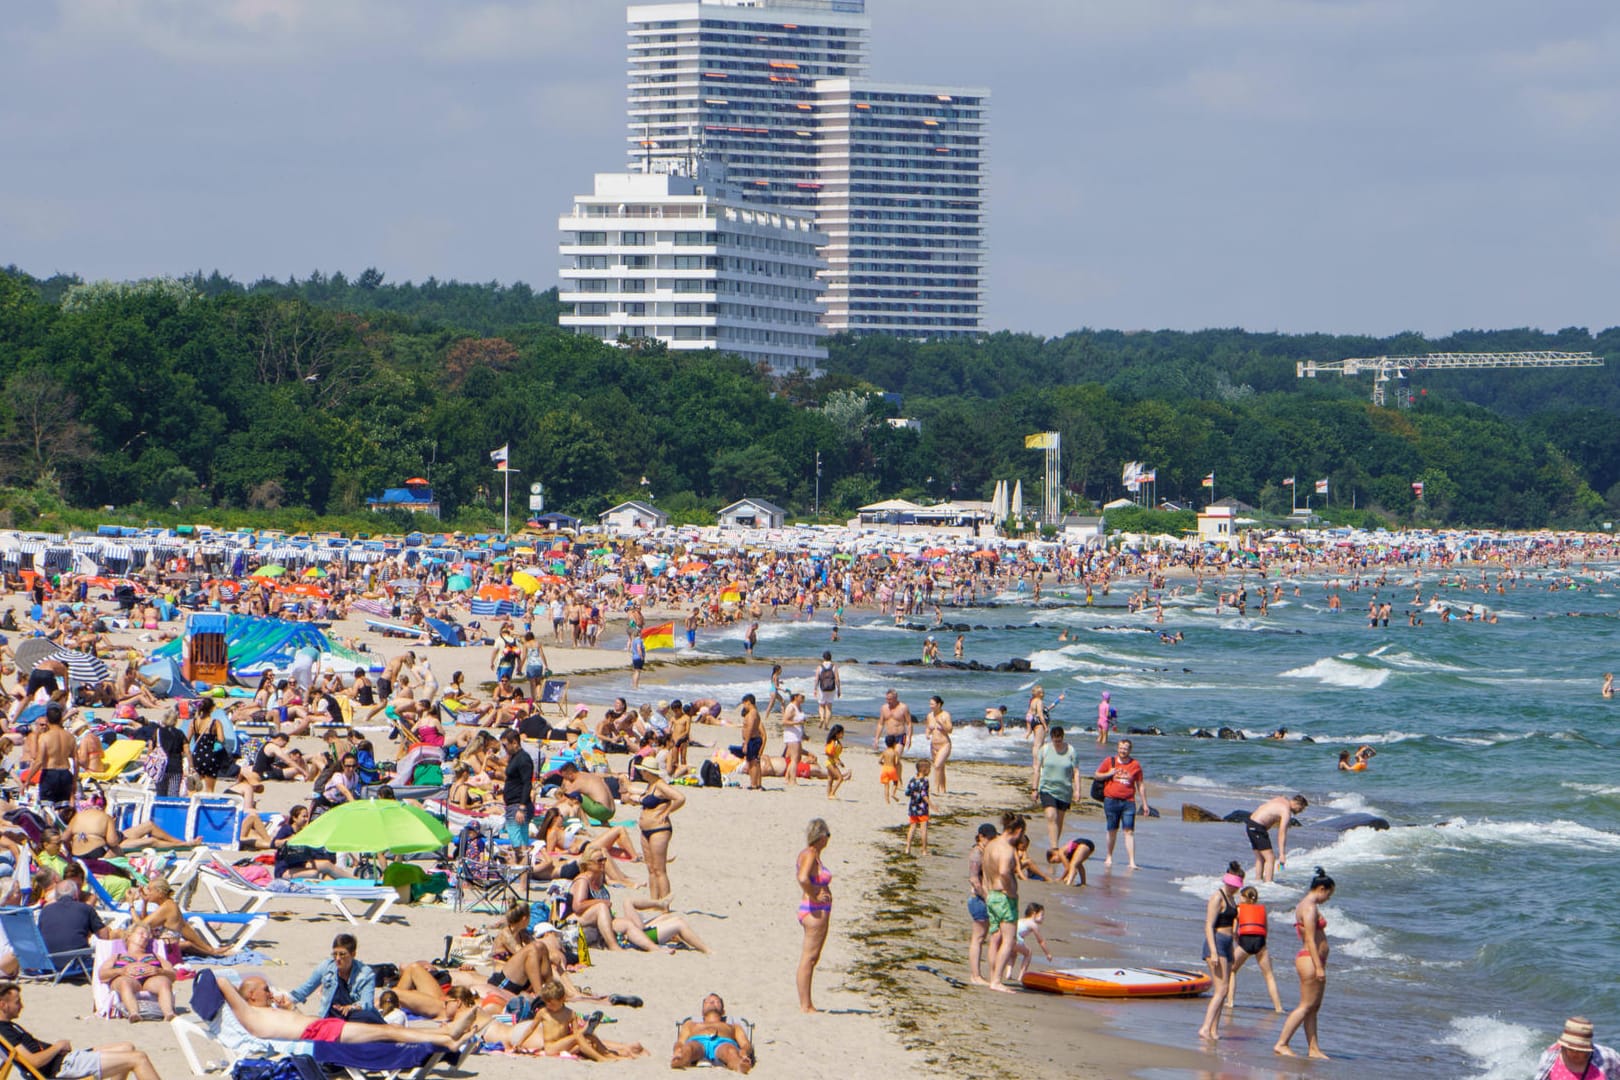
(1189,812)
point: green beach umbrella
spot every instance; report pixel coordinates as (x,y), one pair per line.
(270,571)
(374,825)
(314,571)
(458,583)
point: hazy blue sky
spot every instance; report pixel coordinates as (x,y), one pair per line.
(1342,165)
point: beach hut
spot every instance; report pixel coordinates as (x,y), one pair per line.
(632,515)
(750,513)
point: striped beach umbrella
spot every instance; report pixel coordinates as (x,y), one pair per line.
(83,669)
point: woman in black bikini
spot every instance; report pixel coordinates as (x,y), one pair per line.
(1219,916)
(657,803)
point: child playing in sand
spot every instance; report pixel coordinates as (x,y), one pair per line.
(889,768)
(836,773)
(917,805)
(1034,915)
(564,1032)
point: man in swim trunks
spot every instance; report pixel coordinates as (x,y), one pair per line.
(753,737)
(53,752)
(1276,814)
(713,1039)
(268,1022)
(592,791)
(894,718)
(1001,896)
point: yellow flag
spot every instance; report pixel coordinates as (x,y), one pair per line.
(1039,441)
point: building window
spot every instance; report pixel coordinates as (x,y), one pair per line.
(633,239)
(591,239)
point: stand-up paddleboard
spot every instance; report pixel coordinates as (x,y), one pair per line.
(1127,982)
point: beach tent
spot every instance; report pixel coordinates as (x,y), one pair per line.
(166,678)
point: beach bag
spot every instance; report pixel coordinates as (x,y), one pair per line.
(827,678)
(428,773)
(155,765)
(709,773)
(1097,785)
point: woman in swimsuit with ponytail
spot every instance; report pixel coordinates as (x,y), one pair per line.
(1311,965)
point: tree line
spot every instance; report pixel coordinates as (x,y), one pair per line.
(200,393)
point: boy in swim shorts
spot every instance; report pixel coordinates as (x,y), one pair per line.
(917,806)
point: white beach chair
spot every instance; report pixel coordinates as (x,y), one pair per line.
(358,903)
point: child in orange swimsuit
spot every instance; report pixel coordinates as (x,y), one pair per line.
(889,768)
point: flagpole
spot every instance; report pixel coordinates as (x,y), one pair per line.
(506,499)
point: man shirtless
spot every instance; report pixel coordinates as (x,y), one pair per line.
(53,754)
(591,790)
(1272,814)
(289,1025)
(753,737)
(713,1039)
(894,718)
(1000,875)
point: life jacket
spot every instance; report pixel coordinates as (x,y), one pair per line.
(1251,919)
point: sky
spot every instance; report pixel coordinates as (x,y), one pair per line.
(1346,166)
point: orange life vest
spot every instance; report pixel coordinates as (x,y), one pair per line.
(1251,919)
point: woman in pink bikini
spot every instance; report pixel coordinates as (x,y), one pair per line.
(1311,964)
(815,910)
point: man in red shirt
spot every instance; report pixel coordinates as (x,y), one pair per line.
(1124,795)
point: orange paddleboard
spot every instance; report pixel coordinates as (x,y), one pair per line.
(1119,982)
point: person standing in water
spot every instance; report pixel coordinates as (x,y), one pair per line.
(1105,717)
(938,726)
(1311,966)
(1277,814)
(1056,783)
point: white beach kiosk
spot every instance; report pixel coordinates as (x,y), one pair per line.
(1218,525)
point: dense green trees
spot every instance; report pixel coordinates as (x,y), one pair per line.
(203,393)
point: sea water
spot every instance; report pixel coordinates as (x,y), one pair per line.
(1464,934)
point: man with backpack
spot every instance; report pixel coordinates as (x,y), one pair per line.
(828,687)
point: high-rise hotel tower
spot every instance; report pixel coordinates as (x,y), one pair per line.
(778,92)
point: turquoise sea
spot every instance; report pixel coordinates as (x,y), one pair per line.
(1465,933)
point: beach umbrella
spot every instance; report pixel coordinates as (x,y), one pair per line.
(458,583)
(272,570)
(416,480)
(82,667)
(315,572)
(31,651)
(694,567)
(601,551)
(374,825)
(494,592)
(526,581)
(553,579)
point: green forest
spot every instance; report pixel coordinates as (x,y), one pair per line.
(200,398)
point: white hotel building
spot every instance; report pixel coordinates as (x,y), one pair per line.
(777,92)
(687,261)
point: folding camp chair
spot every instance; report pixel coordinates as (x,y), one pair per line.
(34,958)
(14,1061)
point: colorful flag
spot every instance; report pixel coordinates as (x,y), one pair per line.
(1209,481)
(1288,482)
(1149,476)
(1321,487)
(661,636)
(731,596)
(499,457)
(1039,441)
(1417,488)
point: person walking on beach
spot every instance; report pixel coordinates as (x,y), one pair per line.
(1124,796)
(638,656)
(1220,915)
(815,910)
(793,738)
(1001,897)
(976,903)
(753,737)
(1310,963)
(1576,1055)
(829,687)
(1055,780)
(917,806)
(1274,813)
(938,726)
(894,718)
(1252,932)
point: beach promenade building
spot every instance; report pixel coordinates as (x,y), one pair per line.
(778,92)
(686,261)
